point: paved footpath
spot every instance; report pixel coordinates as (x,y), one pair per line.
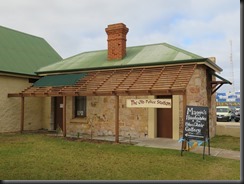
(174,144)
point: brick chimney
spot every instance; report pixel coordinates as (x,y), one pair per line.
(116,41)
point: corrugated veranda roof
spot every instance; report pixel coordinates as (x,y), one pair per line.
(59,80)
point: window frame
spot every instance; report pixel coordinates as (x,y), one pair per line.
(83,106)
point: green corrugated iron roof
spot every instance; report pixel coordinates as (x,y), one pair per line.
(161,53)
(21,53)
(59,80)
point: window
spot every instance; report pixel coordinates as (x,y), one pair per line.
(80,106)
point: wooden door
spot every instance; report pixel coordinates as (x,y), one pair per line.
(58,112)
(164,121)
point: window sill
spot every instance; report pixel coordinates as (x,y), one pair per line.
(79,120)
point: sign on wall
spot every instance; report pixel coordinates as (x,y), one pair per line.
(151,103)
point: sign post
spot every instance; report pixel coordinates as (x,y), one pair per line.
(196,126)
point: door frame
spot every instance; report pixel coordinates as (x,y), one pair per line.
(160,122)
(58,112)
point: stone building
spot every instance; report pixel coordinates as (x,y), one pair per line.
(21,55)
(92,92)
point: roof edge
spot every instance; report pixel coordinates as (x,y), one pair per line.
(221,78)
(15,74)
(214,65)
(12,29)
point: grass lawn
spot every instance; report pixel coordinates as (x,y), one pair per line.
(225,142)
(42,157)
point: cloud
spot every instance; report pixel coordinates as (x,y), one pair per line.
(204,27)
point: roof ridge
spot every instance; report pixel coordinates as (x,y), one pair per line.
(150,44)
(182,50)
(11,29)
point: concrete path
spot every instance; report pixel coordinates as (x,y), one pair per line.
(174,144)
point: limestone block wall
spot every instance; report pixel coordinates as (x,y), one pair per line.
(213,116)
(198,93)
(133,121)
(212,105)
(197,88)
(101,118)
(10,108)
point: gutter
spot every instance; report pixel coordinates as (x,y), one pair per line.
(15,74)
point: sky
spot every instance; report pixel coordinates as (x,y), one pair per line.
(209,28)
